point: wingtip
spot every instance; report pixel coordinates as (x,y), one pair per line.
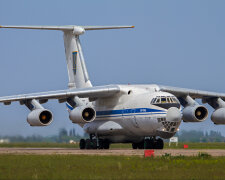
(132,26)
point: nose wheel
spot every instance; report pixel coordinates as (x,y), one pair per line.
(159,144)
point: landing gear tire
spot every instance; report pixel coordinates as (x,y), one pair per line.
(159,144)
(82,144)
(103,144)
(88,144)
(94,144)
(134,145)
(100,146)
(148,144)
(106,144)
(141,145)
(91,144)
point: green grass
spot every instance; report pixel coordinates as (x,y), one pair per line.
(86,167)
(191,145)
(128,146)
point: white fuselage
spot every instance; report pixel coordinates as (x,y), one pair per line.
(130,116)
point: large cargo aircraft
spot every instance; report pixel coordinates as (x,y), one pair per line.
(137,114)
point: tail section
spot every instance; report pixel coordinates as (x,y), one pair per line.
(77,71)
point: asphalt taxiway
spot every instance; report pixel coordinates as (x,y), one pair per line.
(118,152)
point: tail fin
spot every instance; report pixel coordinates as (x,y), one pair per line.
(77,71)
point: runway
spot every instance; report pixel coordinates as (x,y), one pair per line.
(117,152)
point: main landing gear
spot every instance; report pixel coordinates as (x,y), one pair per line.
(151,143)
(93,144)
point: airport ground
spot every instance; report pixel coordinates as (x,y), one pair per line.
(66,161)
(110,167)
(191,145)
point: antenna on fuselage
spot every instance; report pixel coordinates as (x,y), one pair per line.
(77,71)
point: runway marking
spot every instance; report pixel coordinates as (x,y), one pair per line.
(117,152)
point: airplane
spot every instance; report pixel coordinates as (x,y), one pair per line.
(143,114)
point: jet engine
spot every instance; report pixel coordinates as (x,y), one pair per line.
(39,117)
(196,113)
(218,116)
(82,114)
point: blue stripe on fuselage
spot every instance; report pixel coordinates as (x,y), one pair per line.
(125,112)
(128,111)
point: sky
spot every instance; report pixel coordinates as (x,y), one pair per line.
(176,43)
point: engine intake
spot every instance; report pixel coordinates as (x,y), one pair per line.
(82,114)
(218,116)
(40,117)
(195,113)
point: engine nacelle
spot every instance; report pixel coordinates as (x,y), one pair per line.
(218,116)
(39,117)
(195,113)
(82,114)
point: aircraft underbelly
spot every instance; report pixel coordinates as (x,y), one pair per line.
(128,126)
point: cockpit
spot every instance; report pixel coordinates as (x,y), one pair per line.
(166,102)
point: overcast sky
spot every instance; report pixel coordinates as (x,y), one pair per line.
(177,43)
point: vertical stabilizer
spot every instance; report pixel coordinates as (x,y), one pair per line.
(77,72)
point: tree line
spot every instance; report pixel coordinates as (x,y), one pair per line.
(200,136)
(64,136)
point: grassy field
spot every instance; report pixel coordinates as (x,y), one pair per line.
(110,167)
(67,145)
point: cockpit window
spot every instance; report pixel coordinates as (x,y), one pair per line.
(153,100)
(174,100)
(158,100)
(163,100)
(168,99)
(166,102)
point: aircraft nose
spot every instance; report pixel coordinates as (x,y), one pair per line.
(173,114)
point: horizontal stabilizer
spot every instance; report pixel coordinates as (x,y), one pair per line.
(67,28)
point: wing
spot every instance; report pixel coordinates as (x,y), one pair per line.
(181,92)
(62,95)
(193,112)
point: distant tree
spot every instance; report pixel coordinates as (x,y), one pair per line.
(62,132)
(74,132)
(71,132)
(193,136)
